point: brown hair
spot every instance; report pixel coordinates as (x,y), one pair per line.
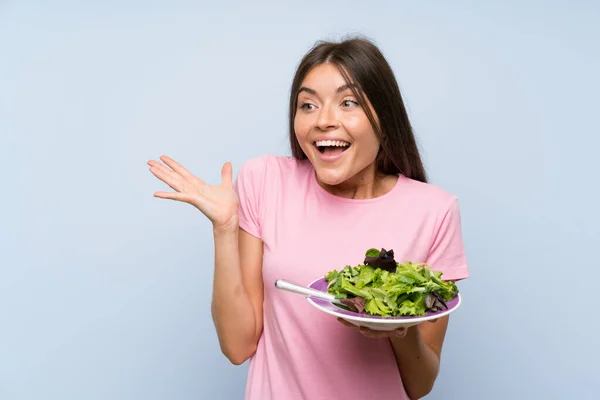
(362,64)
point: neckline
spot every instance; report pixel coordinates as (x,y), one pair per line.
(331,196)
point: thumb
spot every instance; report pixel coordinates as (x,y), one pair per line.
(226,175)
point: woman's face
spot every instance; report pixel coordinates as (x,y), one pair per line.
(333,129)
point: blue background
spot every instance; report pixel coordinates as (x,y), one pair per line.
(105,290)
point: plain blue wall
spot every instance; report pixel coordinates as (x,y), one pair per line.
(105,291)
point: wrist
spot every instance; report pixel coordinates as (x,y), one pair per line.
(231,227)
(412,341)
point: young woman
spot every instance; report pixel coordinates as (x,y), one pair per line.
(355,181)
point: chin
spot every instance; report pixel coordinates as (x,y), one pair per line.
(331,177)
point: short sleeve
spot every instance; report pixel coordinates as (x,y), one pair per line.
(249,185)
(447,253)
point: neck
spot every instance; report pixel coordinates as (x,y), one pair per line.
(367,184)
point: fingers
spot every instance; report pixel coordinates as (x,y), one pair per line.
(226,175)
(180,169)
(165,175)
(399,333)
(174,196)
(348,324)
(166,171)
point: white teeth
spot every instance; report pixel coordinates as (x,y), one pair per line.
(336,143)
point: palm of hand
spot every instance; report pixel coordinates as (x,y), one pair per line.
(218,203)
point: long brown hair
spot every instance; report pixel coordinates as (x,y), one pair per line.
(366,70)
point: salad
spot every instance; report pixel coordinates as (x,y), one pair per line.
(381,286)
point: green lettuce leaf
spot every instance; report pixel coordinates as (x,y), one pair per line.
(376,288)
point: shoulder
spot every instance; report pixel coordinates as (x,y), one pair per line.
(427,195)
(271,166)
(260,181)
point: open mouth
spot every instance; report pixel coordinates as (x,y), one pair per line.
(331,147)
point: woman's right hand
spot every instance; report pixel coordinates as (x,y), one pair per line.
(218,203)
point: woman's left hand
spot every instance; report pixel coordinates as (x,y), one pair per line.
(397,333)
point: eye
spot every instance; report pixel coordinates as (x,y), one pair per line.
(349,103)
(307,106)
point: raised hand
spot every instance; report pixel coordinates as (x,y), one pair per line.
(218,203)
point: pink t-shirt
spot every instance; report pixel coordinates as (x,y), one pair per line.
(304,353)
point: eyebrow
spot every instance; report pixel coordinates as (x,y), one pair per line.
(341,89)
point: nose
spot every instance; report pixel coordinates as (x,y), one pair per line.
(327,119)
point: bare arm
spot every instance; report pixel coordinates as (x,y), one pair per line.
(418,356)
(237,303)
(417,351)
